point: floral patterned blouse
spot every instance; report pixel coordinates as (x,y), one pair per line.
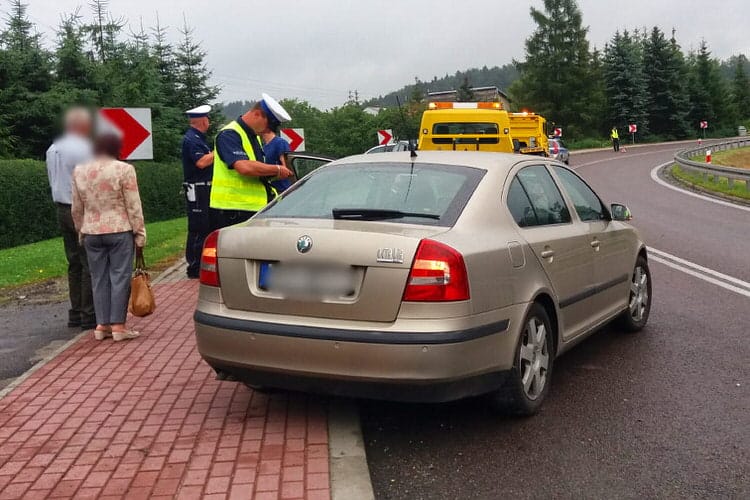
(106,199)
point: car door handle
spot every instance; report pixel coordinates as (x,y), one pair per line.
(546,254)
(595,243)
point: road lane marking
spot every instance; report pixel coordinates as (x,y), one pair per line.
(708,275)
(596,162)
(655,177)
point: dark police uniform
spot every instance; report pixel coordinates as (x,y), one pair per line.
(197,187)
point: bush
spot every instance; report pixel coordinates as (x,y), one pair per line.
(28,214)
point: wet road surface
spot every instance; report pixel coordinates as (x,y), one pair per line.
(664,413)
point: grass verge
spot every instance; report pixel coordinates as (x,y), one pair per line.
(738,190)
(44,260)
(739,158)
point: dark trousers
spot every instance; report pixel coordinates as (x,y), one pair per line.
(224,218)
(616,144)
(199,227)
(111,263)
(81,310)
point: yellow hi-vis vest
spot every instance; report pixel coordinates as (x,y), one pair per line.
(229,189)
(614,134)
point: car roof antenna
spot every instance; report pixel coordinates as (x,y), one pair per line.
(412,145)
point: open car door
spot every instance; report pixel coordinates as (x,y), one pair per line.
(304,163)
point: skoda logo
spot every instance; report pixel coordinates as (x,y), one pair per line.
(304,244)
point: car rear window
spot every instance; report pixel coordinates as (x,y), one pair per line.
(433,194)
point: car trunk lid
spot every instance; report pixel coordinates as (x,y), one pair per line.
(304,268)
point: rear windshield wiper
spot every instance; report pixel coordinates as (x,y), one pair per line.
(377,214)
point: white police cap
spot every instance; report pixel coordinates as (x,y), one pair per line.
(275,111)
(199,112)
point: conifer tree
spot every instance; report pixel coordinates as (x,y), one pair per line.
(555,73)
(667,102)
(741,89)
(624,83)
(708,96)
(25,79)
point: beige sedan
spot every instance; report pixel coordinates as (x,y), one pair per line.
(434,278)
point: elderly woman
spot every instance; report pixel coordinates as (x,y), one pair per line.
(108,215)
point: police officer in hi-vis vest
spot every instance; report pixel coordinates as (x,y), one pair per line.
(197,166)
(241,184)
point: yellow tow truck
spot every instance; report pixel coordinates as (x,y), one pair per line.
(481,126)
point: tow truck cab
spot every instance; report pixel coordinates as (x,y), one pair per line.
(465,126)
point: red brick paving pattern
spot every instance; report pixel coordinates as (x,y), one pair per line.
(146,419)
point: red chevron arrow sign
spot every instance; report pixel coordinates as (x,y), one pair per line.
(295,137)
(385,136)
(134,126)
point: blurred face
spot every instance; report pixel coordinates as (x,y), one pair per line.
(258,121)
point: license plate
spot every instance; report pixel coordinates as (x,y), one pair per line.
(306,282)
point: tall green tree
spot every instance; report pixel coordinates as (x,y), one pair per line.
(741,89)
(627,94)
(555,73)
(25,80)
(708,92)
(667,99)
(192,75)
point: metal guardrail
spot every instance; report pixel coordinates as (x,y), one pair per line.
(715,172)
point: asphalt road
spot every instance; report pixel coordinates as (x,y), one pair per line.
(664,413)
(28,333)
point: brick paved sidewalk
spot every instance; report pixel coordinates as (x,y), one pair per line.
(146,419)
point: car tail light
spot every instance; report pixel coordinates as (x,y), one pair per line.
(209,274)
(438,274)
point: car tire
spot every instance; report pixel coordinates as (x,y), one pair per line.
(529,380)
(567,161)
(635,317)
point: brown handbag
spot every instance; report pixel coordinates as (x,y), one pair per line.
(142,301)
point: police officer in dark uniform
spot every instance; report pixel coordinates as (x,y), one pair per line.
(197,165)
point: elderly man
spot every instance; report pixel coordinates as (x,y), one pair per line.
(197,166)
(73,148)
(240,186)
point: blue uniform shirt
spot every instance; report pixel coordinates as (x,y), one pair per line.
(274,149)
(194,146)
(229,145)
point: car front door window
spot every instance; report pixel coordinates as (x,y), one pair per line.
(586,202)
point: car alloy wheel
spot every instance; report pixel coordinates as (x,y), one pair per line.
(529,379)
(635,317)
(534,358)
(639,295)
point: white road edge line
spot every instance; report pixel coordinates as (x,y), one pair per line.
(655,178)
(698,267)
(698,275)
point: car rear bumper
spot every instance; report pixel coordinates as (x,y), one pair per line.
(400,366)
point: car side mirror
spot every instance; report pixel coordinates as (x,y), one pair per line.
(620,212)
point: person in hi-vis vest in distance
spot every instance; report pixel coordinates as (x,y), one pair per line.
(615,136)
(240,185)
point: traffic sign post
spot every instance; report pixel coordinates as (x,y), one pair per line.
(704,126)
(385,137)
(633,128)
(558,132)
(134,127)
(295,137)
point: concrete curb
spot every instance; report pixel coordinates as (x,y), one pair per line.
(636,146)
(350,475)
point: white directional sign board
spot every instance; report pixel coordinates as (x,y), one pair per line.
(134,127)
(385,136)
(295,137)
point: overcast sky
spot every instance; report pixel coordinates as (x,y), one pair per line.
(319,50)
